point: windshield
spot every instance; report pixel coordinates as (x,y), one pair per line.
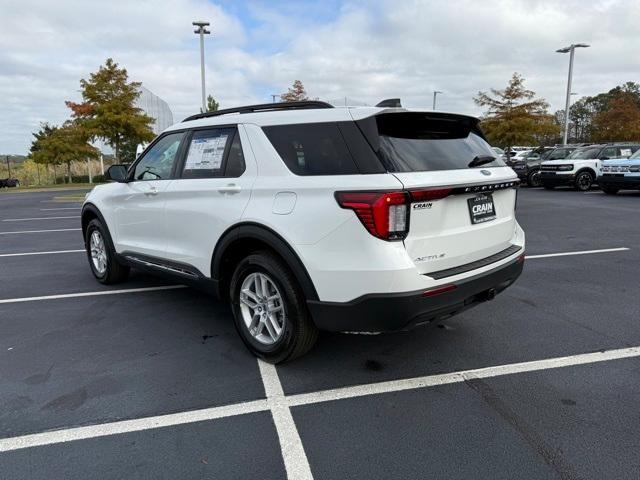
(585,153)
(559,153)
(635,155)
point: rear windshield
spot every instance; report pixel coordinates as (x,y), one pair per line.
(585,153)
(417,142)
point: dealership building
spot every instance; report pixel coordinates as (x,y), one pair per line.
(156,108)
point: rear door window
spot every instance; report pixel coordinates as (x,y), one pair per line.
(206,153)
(312,148)
(416,142)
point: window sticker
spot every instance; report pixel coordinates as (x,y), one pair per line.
(625,152)
(206,153)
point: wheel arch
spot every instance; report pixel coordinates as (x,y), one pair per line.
(588,169)
(91,212)
(239,240)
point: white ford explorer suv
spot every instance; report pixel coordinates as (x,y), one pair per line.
(581,168)
(307,217)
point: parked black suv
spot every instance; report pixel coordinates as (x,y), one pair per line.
(9,182)
(528,170)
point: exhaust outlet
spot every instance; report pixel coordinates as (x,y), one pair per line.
(487,295)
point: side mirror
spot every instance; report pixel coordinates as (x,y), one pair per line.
(116,173)
(604,158)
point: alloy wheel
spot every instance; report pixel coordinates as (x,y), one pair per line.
(98,252)
(534,180)
(262,308)
(584,181)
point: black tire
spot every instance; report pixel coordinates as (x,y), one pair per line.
(548,187)
(609,190)
(583,181)
(533,179)
(114,272)
(299,333)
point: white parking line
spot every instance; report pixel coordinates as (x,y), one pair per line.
(39,253)
(90,294)
(295,459)
(60,208)
(275,399)
(462,376)
(42,231)
(583,252)
(127,426)
(35,218)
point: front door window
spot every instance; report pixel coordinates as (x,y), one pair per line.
(157,162)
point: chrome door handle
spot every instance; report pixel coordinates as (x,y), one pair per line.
(231,189)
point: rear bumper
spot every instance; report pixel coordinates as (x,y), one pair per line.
(621,182)
(556,179)
(401,311)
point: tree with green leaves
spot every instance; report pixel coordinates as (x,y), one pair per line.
(296,93)
(42,141)
(45,131)
(514,116)
(583,113)
(212,105)
(63,145)
(108,110)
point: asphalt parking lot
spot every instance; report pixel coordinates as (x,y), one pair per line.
(150,380)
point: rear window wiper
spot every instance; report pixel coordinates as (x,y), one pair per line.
(480,160)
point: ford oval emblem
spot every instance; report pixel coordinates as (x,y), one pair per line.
(485,172)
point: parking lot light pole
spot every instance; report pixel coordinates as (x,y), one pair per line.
(202,31)
(570,50)
(435,94)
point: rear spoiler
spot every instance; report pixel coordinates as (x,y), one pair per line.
(390,103)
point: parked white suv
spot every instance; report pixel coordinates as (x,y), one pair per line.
(309,217)
(581,168)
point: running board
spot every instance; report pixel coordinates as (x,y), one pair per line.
(177,269)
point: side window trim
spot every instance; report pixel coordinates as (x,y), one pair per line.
(132,168)
(183,158)
(236,134)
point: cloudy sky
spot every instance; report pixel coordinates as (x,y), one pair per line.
(365,50)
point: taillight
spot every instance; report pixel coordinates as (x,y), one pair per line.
(429,194)
(384,214)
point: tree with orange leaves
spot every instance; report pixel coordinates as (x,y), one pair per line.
(108,110)
(620,121)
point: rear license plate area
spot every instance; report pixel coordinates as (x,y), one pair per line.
(481,208)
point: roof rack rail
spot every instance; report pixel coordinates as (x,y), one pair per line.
(263,107)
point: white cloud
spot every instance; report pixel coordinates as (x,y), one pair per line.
(365,50)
